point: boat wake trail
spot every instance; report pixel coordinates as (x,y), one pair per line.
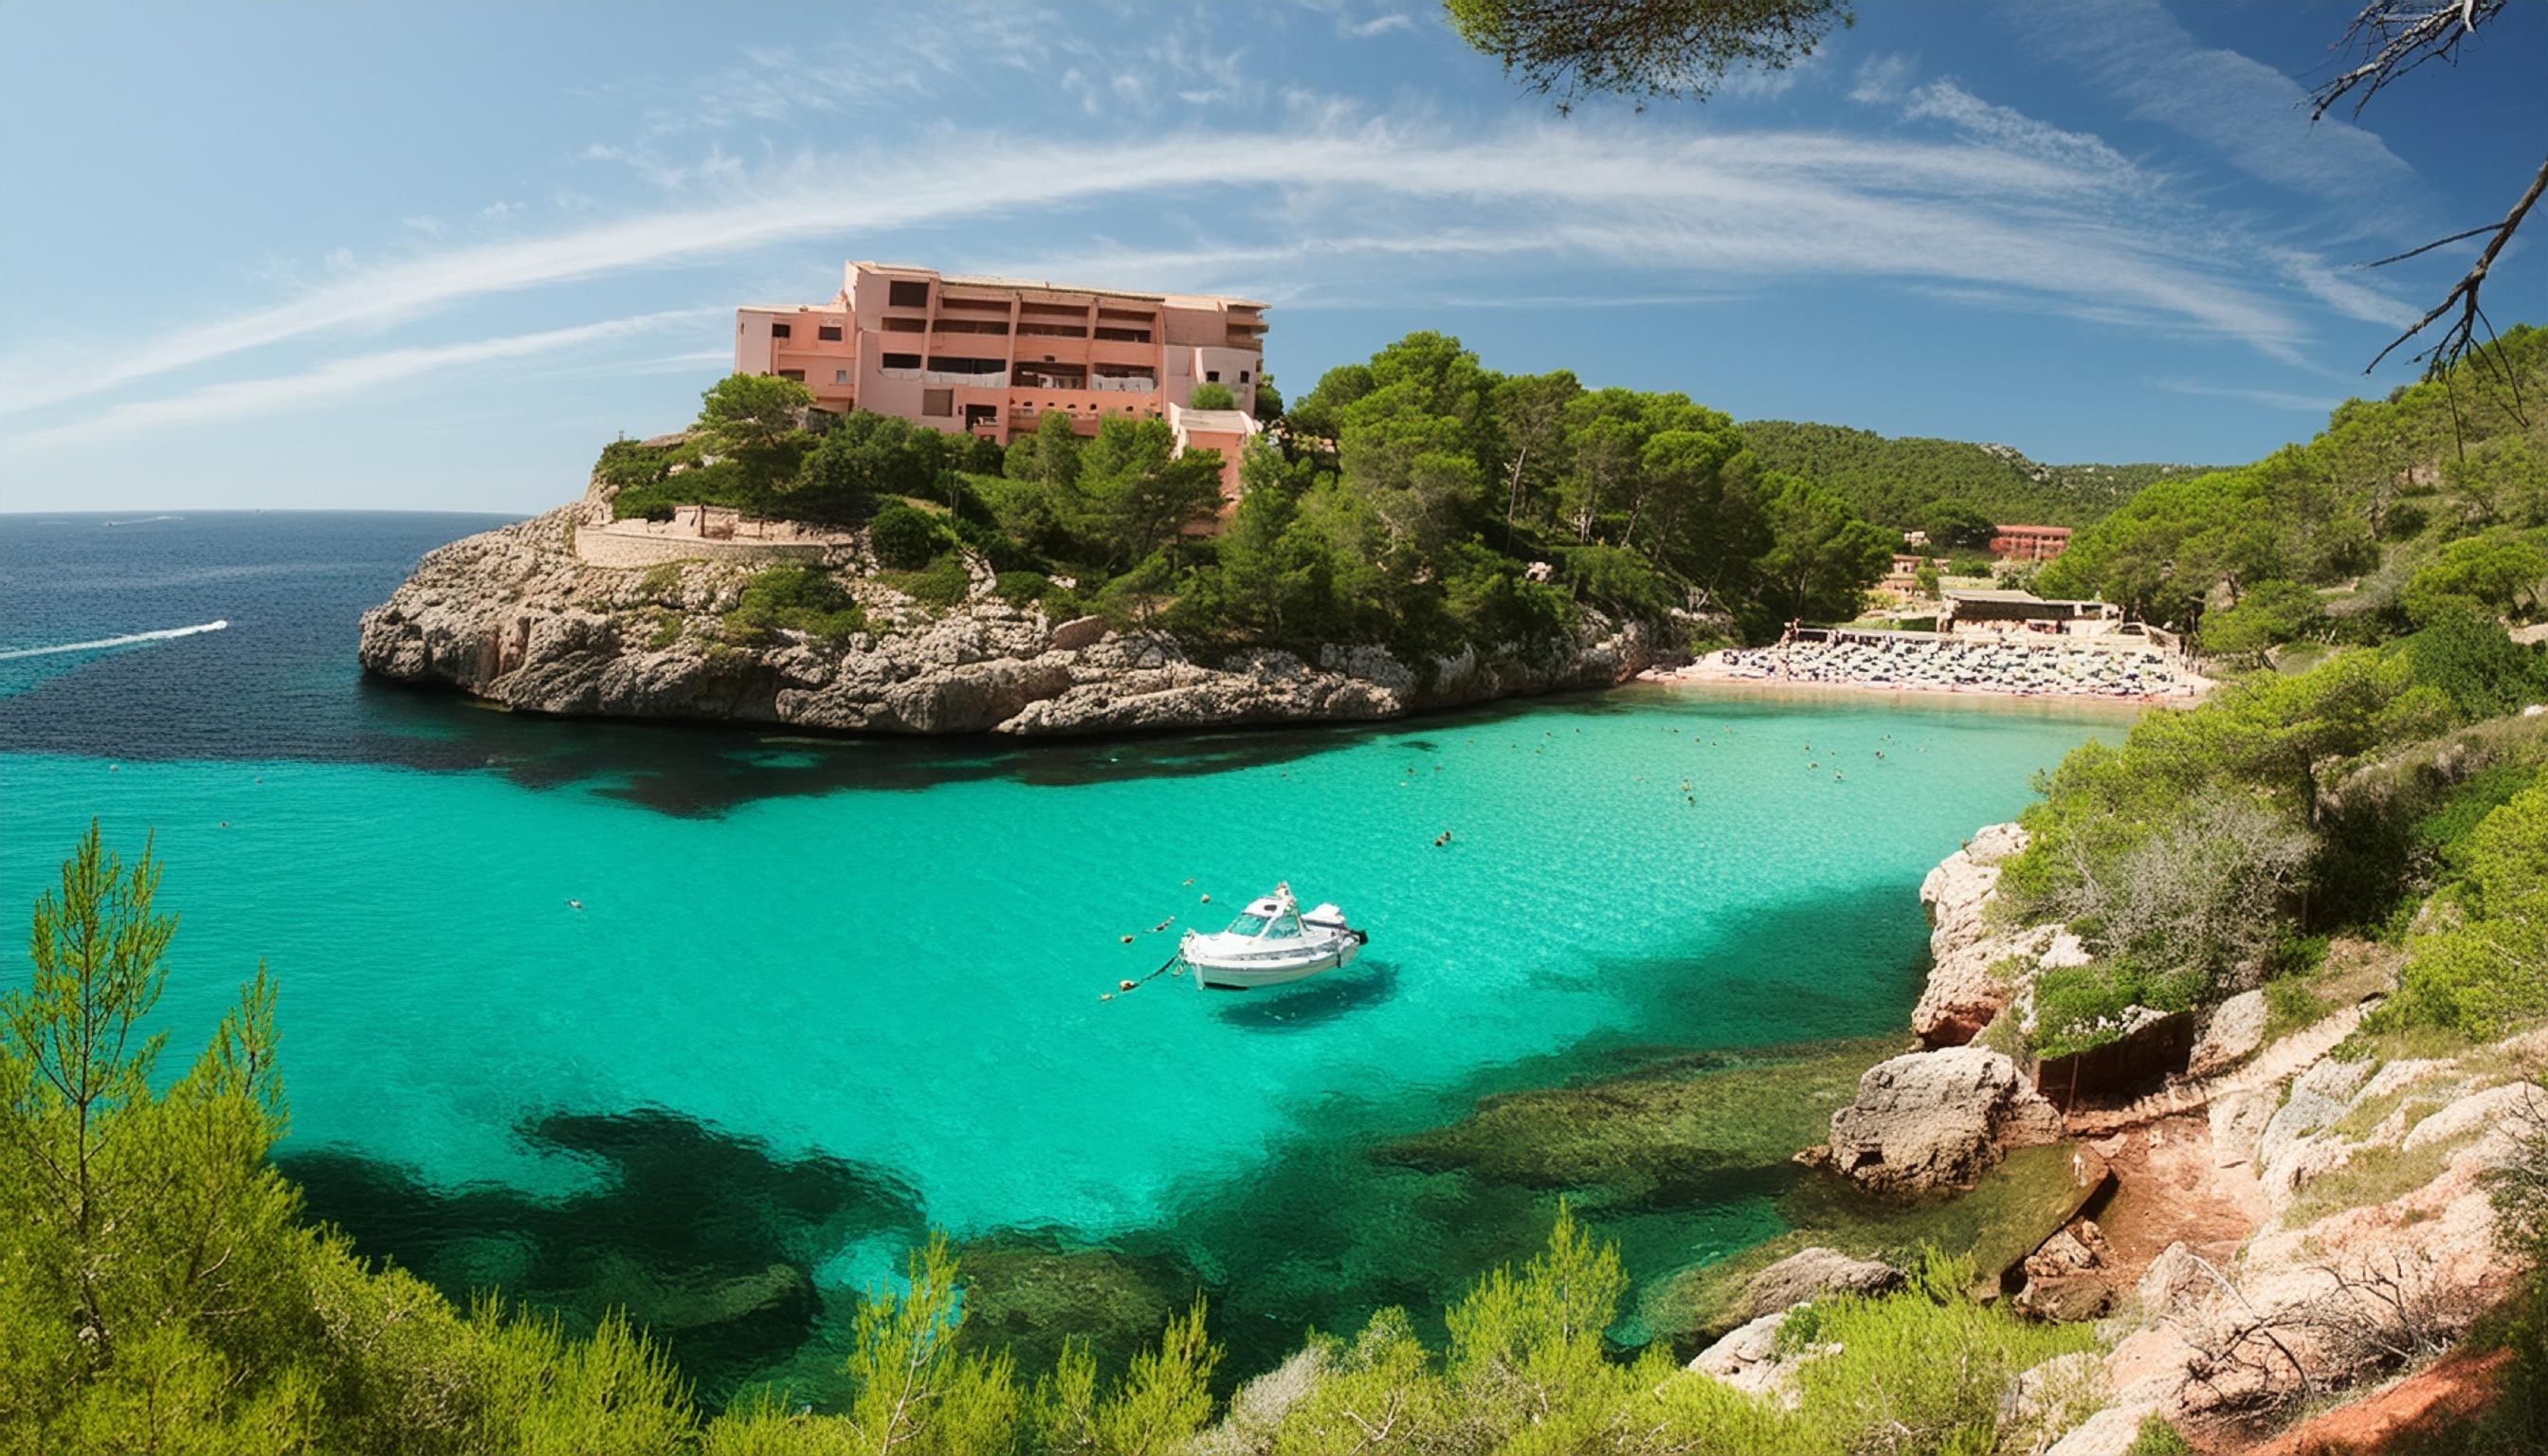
(162,635)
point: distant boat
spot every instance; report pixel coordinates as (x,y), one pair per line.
(1272,941)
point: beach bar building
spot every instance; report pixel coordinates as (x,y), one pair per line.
(2024,611)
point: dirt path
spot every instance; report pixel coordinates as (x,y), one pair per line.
(2451,1389)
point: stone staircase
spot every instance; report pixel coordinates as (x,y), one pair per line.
(2282,1059)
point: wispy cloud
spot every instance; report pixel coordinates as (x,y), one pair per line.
(2271,399)
(2251,115)
(1379,25)
(2000,203)
(355,377)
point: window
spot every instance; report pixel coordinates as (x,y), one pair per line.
(907,293)
(829,333)
(937,404)
(907,325)
(1211,376)
(779,331)
(840,375)
(1243,376)
(902,361)
(797,375)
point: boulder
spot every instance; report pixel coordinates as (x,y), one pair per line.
(2238,1121)
(1747,1357)
(2229,1034)
(1812,1274)
(2113,1432)
(1935,1120)
(2172,1280)
(2319,1097)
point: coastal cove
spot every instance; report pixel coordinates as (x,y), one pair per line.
(823,995)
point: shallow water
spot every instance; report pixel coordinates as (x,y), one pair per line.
(874,972)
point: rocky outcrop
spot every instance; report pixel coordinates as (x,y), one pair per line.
(1810,1274)
(515,616)
(1930,1121)
(2230,1033)
(1747,1357)
(1968,955)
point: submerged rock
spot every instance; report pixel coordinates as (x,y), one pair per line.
(1812,1274)
(1930,1121)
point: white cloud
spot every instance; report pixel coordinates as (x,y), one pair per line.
(2007,204)
(355,377)
(2271,399)
(1881,78)
(2253,116)
(1380,25)
(2002,126)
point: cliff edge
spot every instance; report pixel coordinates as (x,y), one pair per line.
(519,616)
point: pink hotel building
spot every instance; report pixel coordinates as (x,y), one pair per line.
(992,356)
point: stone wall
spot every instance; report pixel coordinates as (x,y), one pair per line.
(633,550)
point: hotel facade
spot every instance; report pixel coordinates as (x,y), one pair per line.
(992,356)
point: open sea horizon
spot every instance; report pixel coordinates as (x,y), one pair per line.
(718,1020)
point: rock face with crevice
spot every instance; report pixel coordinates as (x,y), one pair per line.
(1930,1121)
(515,616)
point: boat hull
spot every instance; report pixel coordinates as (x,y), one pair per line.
(1235,975)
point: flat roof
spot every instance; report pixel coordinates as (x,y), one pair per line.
(1231,422)
(1046,285)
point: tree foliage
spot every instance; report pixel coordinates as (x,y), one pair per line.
(1648,49)
(1905,481)
(2399,509)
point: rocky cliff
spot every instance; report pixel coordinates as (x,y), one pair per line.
(2291,1219)
(517,616)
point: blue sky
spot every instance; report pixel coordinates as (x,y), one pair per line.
(432,256)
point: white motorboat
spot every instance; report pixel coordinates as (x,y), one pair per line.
(1272,941)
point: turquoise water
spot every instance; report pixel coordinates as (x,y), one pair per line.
(901,973)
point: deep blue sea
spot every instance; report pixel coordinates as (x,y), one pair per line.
(821,996)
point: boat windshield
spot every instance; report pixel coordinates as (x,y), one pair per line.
(1246,925)
(1286,924)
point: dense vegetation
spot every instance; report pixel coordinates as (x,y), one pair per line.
(164,1294)
(2382,794)
(1921,484)
(1419,499)
(2401,511)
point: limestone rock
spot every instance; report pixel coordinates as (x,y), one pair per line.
(1810,1274)
(2319,1097)
(1935,1120)
(1966,987)
(2238,1121)
(515,616)
(1747,1357)
(2229,1034)
(2172,1279)
(2109,1432)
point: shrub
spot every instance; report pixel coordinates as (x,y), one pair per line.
(2470,658)
(2078,1007)
(944,580)
(905,538)
(2158,1438)
(2480,975)
(800,599)
(1211,395)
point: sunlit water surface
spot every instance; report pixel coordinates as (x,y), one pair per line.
(888,962)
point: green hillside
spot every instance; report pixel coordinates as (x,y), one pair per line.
(2429,504)
(1894,482)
